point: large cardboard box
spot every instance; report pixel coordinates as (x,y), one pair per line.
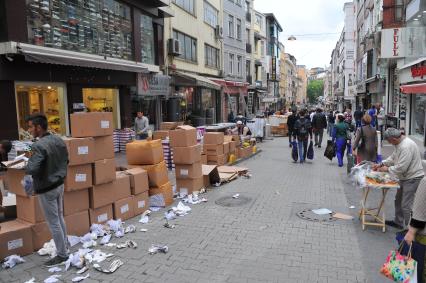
(158,174)
(161,196)
(227,138)
(104,147)
(245,152)
(29,209)
(138,180)
(78,224)
(40,234)
(226,147)
(217,159)
(91,124)
(101,215)
(160,135)
(187,155)
(188,171)
(80,150)
(167,126)
(141,203)
(204,159)
(183,136)
(76,201)
(214,138)
(13,181)
(78,177)
(101,195)
(15,238)
(213,149)
(144,152)
(232,146)
(123,209)
(103,171)
(188,186)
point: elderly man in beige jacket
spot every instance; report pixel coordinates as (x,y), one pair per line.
(406,164)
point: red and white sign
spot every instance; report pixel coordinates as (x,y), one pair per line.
(418,71)
(393,43)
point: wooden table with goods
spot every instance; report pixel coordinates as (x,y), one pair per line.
(375,181)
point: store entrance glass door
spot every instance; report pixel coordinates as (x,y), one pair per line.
(103,100)
(48,99)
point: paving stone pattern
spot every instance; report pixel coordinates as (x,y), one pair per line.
(261,241)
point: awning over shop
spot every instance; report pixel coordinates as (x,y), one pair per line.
(414,89)
(47,55)
(232,87)
(186,79)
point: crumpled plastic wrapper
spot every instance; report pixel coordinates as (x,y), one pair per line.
(11,261)
(52,279)
(98,229)
(80,278)
(48,248)
(117,227)
(158,249)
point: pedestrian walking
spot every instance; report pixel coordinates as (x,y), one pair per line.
(331,119)
(319,123)
(291,121)
(365,143)
(348,118)
(405,163)
(373,113)
(48,167)
(358,114)
(141,126)
(340,138)
(303,132)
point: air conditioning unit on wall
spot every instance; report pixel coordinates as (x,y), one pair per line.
(218,32)
(173,47)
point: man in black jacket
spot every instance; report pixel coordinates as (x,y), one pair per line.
(319,123)
(303,132)
(358,116)
(291,121)
(48,168)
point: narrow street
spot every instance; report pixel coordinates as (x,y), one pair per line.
(260,241)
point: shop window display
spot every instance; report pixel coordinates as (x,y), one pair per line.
(48,100)
(102,100)
(101,27)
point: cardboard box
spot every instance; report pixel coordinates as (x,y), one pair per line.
(78,224)
(213,149)
(104,147)
(158,174)
(188,171)
(144,152)
(138,180)
(15,238)
(80,150)
(217,159)
(123,209)
(101,215)
(188,186)
(187,155)
(204,159)
(160,135)
(40,234)
(232,146)
(227,138)
(103,171)
(245,152)
(167,126)
(91,124)
(226,147)
(101,195)
(13,181)
(76,201)
(29,209)
(214,138)
(183,136)
(161,196)
(236,138)
(78,177)
(141,203)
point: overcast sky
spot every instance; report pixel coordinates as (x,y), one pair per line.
(302,17)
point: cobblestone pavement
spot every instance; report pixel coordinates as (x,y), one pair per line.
(261,241)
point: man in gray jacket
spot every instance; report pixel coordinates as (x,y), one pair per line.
(48,168)
(406,164)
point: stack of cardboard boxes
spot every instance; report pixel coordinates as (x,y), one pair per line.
(148,155)
(187,159)
(216,149)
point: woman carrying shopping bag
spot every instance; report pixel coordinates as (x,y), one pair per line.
(365,143)
(341,135)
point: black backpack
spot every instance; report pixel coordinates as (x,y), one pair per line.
(303,129)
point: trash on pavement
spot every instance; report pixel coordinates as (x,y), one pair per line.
(48,248)
(144,219)
(111,268)
(76,259)
(155,209)
(127,244)
(54,269)
(52,279)
(117,227)
(130,229)
(322,211)
(97,256)
(32,280)
(73,240)
(80,278)
(11,261)
(236,196)
(105,239)
(170,215)
(143,230)
(181,209)
(194,199)
(158,249)
(170,226)
(342,216)
(81,271)
(98,229)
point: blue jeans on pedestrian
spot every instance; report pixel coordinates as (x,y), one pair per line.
(330,127)
(340,151)
(303,148)
(141,136)
(358,123)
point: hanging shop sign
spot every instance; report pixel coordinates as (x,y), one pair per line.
(154,85)
(392,43)
(418,71)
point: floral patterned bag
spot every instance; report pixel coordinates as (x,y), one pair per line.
(400,268)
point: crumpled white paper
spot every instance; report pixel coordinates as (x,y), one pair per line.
(96,256)
(144,219)
(98,229)
(76,259)
(105,239)
(32,280)
(181,209)
(170,215)
(11,261)
(54,269)
(73,240)
(52,279)
(194,199)
(80,278)
(48,248)
(117,227)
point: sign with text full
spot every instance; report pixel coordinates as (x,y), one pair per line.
(393,43)
(154,85)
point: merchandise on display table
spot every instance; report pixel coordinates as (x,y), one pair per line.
(276,120)
(121,138)
(18,147)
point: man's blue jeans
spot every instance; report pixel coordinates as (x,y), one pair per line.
(303,148)
(340,151)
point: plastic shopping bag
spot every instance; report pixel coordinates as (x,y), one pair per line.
(330,150)
(294,153)
(400,268)
(310,154)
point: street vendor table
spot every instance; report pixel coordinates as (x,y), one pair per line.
(374,213)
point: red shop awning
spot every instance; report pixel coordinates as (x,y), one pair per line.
(414,89)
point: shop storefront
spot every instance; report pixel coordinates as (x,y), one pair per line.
(235,97)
